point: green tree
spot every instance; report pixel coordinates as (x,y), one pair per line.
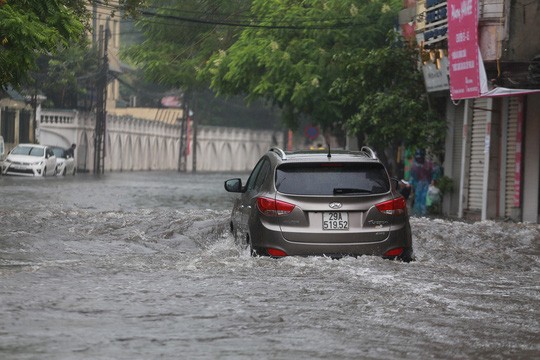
(67,77)
(30,28)
(176,46)
(290,59)
(385,92)
(179,38)
(342,66)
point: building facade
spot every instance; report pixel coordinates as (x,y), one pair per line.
(493,138)
(16,120)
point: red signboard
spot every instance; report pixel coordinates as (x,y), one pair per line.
(463,49)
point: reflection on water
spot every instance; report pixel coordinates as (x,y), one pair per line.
(141,266)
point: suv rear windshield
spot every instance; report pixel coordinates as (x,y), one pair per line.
(332,179)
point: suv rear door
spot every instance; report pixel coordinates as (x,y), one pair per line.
(335,202)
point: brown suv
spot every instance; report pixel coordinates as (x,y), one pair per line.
(321,203)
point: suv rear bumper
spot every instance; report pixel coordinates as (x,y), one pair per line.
(274,239)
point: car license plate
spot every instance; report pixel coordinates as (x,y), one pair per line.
(335,220)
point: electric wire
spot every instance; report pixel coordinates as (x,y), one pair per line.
(325,24)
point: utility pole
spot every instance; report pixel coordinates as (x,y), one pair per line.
(194,124)
(182,151)
(194,127)
(101,103)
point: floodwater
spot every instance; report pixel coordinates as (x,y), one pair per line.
(142,266)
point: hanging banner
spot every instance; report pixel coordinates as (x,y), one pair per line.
(463,49)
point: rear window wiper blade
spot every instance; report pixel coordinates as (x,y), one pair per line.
(338,191)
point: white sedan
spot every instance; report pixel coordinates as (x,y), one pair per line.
(30,160)
(65,164)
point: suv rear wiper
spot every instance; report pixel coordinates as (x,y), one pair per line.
(338,191)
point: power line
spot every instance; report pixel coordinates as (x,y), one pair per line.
(252,25)
(326,24)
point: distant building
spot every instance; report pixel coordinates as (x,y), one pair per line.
(492,100)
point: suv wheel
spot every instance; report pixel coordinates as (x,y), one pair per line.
(407,255)
(254,252)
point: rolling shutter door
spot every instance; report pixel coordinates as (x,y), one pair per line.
(511,155)
(476,165)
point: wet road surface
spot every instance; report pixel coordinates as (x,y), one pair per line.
(142,266)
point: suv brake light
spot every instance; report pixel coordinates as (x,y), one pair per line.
(394,252)
(276,252)
(272,207)
(395,206)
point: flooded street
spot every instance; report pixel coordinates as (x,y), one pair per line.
(142,266)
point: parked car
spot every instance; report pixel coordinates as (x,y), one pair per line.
(30,160)
(65,164)
(321,203)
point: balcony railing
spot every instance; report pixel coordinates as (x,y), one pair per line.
(58,117)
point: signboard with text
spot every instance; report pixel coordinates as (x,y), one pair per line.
(463,49)
(436,79)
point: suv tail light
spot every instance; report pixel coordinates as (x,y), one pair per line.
(394,252)
(272,207)
(276,252)
(395,206)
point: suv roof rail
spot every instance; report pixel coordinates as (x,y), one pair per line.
(369,152)
(280,152)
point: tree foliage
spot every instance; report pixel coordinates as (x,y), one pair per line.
(173,50)
(386,92)
(31,28)
(68,77)
(179,38)
(343,67)
(295,66)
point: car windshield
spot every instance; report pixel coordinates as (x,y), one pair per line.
(28,150)
(332,179)
(59,152)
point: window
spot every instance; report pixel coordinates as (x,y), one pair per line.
(332,179)
(253,177)
(35,151)
(263,174)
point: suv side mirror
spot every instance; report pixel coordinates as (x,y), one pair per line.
(233,185)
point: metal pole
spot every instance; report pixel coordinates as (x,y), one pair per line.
(101,105)
(194,122)
(467,114)
(183,137)
(190,117)
(487,152)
